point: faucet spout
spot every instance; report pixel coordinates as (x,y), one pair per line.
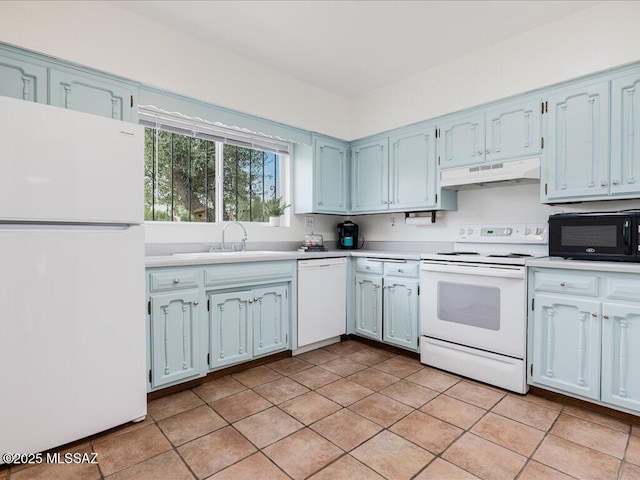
(244,231)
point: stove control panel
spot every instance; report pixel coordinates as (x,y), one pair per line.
(503,233)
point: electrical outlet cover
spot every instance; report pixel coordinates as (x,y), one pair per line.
(308,223)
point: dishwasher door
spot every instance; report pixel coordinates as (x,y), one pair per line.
(322,299)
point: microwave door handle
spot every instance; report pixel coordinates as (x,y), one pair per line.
(626,235)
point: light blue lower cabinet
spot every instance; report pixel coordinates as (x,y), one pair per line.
(270,320)
(385,301)
(621,355)
(368,305)
(203,318)
(567,344)
(584,342)
(230,328)
(400,318)
(174,342)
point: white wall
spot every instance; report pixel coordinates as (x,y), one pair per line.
(595,39)
(103,36)
(516,203)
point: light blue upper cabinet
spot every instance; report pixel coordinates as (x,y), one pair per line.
(330,176)
(576,151)
(462,140)
(412,169)
(321,176)
(513,130)
(23,80)
(625,134)
(370,175)
(92,94)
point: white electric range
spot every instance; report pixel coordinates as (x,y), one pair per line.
(473,308)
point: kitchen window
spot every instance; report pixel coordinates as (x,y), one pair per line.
(196,172)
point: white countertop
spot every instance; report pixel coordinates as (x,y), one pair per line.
(558,262)
(204,258)
(237,257)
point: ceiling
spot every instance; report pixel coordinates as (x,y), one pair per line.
(351,47)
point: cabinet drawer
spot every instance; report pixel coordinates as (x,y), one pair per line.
(404,269)
(566,282)
(364,265)
(624,287)
(174,279)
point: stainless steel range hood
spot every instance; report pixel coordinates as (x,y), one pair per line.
(492,174)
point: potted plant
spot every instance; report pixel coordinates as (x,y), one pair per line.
(274,208)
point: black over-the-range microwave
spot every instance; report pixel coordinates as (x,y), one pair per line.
(609,236)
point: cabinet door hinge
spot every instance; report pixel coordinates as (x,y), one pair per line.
(533,304)
(208,305)
(131,101)
(541,142)
(149,307)
(209,359)
(150,376)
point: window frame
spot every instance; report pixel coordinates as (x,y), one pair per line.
(182,125)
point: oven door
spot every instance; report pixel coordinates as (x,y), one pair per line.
(479,306)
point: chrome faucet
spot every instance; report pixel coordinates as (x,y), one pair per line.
(244,238)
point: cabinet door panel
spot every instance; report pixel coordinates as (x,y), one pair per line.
(577,153)
(625,134)
(620,355)
(230,315)
(270,320)
(174,342)
(330,177)
(462,141)
(23,80)
(412,167)
(567,344)
(90,95)
(368,302)
(400,317)
(513,131)
(370,184)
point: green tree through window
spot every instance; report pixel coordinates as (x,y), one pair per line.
(180,179)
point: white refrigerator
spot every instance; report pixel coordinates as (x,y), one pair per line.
(72,331)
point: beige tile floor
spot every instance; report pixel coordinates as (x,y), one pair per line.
(350,411)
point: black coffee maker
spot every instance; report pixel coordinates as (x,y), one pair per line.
(348,235)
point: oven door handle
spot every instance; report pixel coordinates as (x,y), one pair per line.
(478,271)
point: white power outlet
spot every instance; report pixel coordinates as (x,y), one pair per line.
(308,223)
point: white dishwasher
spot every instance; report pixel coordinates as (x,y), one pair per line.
(322,299)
